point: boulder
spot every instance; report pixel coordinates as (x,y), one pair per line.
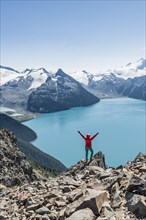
(61,214)
(42,210)
(99,160)
(137,185)
(115,196)
(2,217)
(75,195)
(83,214)
(94,200)
(33,207)
(2,188)
(106,210)
(136,204)
(119,215)
(45,217)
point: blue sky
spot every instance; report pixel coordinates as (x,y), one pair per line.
(72,35)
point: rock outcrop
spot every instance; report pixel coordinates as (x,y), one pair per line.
(90,191)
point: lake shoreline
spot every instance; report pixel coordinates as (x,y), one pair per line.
(24,116)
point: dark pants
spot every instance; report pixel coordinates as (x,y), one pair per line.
(87,149)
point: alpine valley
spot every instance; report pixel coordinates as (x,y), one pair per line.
(37,90)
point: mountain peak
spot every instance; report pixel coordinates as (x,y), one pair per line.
(27,70)
(8,68)
(84,71)
(44,70)
(142,63)
(60,72)
(141,59)
(128,64)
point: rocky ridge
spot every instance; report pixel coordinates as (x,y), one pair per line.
(86,191)
(15,169)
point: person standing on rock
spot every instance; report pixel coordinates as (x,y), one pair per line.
(88,144)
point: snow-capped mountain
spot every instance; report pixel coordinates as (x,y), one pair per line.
(17,86)
(109,83)
(7,74)
(60,92)
(42,91)
(131,70)
(82,76)
(134,88)
(36,76)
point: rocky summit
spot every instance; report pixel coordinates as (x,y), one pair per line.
(86,191)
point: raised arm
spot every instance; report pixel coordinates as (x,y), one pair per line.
(94,136)
(81,134)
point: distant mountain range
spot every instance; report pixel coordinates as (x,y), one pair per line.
(43,91)
(129,80)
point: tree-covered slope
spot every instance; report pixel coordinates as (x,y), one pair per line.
(21,131)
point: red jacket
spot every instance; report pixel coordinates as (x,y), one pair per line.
(88,139)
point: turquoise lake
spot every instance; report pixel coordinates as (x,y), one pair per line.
(121,123)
